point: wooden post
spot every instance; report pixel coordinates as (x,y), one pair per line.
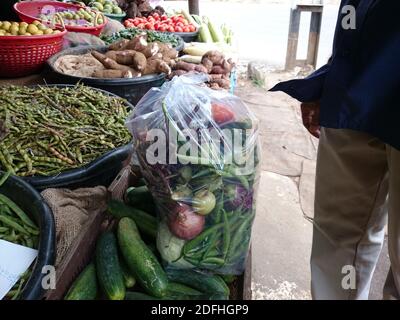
(313,39)
(194,7)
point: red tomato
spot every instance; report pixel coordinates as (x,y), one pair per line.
(185,22)
(156,15)
(162,28)
(171,29)
(221,114)
(178,29)
(164,17)
(186,29)
(140,26)
(192,28)
(179,24)
(157,25)
(149,26)
(136,22)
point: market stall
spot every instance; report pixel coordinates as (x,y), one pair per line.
(94,79)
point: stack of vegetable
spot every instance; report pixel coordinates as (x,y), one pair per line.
(136,57)
(175,23)
(206,197)
(105,6)
(47,130)
(127,265)
(85,17)
(212,63)
(122,59)
(16,227)
(152,36)
(36,28)
(210,32)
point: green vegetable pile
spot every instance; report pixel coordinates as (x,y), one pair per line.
(152,36)
(128,266)
(47,130)
(16,227)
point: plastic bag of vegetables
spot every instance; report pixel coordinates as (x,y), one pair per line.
(199,154)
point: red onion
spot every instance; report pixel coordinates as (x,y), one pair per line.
(184,223)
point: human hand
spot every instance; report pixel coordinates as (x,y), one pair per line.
(310,115)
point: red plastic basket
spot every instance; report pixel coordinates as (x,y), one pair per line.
(29,11)
(24,55)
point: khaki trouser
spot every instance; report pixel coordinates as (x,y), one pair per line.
(355,174)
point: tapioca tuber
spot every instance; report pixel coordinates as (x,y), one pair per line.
(207,63)
(119,45)
(182,65)
(156,66)
(129,58)
(110,63)
(109,73)
(167,50)
(214,56)
(200,68)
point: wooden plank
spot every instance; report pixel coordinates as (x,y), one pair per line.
(194,7)
(313,41)
(293,39)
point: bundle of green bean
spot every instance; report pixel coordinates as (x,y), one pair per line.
(47,130)
(16,227)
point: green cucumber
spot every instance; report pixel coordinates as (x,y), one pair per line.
(108,268)
(138,296)
(85,286)
(146,223)
(178,291)
(129,279)
(140,260)
(229,278)
(202,282)
(140,198)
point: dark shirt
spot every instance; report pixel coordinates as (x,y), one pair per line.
(359,88)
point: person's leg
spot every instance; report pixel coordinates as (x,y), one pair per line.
(349,220)
(392,285)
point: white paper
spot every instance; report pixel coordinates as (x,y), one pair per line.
(14,261)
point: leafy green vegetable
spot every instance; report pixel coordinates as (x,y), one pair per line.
(152,36)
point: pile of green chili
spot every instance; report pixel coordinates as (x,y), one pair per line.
(47,130)
(16,227)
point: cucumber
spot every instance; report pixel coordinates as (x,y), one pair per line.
(178,291)
(205,283)
(140,260)
(216,32)
(135,195)
(138,296)
(140,198)
(108,269)
(229,278)
(129,279)
(146,223)
(85,286)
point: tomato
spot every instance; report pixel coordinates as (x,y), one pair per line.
(178,29)
(162,28)
(171,29)
(156,15)
(179,24)
(157,25)
(140,25)
(136,22)
(192,28)
(186,29)
(164,17)
(149,26)
(221,114)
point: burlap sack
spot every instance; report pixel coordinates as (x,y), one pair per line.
(71,209)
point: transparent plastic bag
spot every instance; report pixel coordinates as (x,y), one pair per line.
(199,155)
